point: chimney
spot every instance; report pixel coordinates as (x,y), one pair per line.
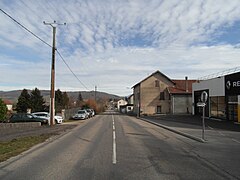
(186,84)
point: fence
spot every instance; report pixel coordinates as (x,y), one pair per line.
(68,113)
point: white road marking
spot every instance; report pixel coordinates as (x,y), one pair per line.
(210,127)
(114,158)
(236,141)
(221,133)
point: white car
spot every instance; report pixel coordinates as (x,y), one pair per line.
(81,114)
(58,119)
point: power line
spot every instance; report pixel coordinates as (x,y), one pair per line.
(25,28)
(71,69)
(46,44)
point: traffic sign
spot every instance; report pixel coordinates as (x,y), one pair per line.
(204,97)
(201,104)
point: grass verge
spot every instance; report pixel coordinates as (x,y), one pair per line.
(16,146)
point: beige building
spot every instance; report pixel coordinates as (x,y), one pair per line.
(158,94)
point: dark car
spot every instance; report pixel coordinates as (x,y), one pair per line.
(26,117)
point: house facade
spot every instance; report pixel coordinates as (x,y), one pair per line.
(121,105)
(9,104)
(158,94)
(181,96)
(129,105)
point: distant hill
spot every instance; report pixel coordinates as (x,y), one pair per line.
(13,95)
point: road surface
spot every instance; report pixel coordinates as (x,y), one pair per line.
(113,146)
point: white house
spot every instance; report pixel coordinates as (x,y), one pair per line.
(9,104)
(120,103)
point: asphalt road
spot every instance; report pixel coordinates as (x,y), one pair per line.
(113,146)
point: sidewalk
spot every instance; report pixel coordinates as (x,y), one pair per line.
(191,127)
(219,150)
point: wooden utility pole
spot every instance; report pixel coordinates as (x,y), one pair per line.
(52,93)
(95,93)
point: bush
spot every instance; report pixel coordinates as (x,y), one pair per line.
(3,110)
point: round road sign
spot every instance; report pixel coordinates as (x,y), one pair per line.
(204,97)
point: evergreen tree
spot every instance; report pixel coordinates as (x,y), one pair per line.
(3,110)
(65,100)
(80,100)
(58,100)
(23,101)
(37,101)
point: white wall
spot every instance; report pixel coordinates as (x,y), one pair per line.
(121,102)
(9,107)
(216,86)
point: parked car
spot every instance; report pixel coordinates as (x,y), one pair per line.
(58,119)
(81,114)
(26,117)
(89,111)
(93,112)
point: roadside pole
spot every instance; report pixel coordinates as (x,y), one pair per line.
(203,122)
(204,97)
(52,93)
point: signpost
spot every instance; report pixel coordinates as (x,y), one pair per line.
(204,97)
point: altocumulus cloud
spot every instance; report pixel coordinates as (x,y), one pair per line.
(114,44)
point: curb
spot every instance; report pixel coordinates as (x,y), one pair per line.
(175,131)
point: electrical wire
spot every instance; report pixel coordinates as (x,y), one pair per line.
(71,69)
(47,45)
(25,28)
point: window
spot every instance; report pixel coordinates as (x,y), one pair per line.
(162,97)
(156,83)
(218,107)
(159,109)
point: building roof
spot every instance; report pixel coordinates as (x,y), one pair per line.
(7,102)
(180,87)
(156,72)
(130,96)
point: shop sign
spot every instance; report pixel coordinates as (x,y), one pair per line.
(232,84)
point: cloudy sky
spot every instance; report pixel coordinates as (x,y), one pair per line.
(114,44)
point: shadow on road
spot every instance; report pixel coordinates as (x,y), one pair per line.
(195,122)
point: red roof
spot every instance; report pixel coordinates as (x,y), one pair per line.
(180,87)
(7,102)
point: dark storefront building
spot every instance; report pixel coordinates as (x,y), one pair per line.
(232,91)
(224,97)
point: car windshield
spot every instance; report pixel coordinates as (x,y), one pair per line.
(81,112)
